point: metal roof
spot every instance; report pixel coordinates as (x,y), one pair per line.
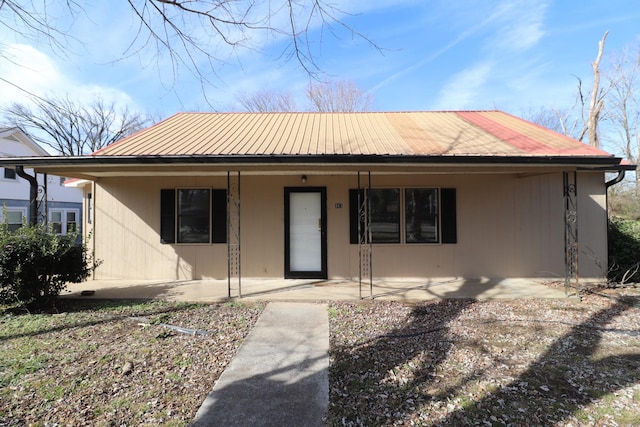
(403,134)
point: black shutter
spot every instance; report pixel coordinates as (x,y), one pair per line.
(168,216)
(448,212)
(353,216)
(219,216)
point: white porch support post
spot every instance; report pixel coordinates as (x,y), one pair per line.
(570,185)
(233,232)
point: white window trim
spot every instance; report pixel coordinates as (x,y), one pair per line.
(22,210)
(14,179)
(63,214)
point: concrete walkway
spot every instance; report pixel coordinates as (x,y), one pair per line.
(279,376)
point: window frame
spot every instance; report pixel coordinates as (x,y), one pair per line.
(446,228)
(64,220)
(170,216)
(13,173)
(186,217)
(14,209)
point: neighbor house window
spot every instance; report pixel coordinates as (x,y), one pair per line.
(410,215)
(196,215)
(14,217)
(63,221)
(9,173)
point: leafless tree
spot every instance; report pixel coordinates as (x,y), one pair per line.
(328,97)
(268,101)
(189,32)
(583,118)
(622,114)
(338,96)
(72,129)
(596,103)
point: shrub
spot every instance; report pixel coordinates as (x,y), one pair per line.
(36,264)
(624,250)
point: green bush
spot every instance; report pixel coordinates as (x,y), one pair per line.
(624,250)
(36,264)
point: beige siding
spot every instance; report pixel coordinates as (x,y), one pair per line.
(508,226)
(592,225)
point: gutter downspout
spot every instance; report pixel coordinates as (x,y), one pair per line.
(33,193)
(617,179)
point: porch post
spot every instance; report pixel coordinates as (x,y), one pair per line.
(233,232)
(365,247)
(570,185)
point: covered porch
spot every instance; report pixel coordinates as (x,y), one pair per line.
(211,291)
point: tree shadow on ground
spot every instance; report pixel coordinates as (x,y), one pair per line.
(566,377)
(368,367)
(109,311)
(292,395)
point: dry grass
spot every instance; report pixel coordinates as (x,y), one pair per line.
(465,362)
(103,365)
(563,362)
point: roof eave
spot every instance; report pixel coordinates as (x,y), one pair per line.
(606,162)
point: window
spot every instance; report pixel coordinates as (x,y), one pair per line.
(63,221)
(428,215)
(14,217)
(9,173)
(193,215)
(385,215)
(421,215)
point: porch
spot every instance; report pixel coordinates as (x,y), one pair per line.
(318,290)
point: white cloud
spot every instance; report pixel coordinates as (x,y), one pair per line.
(462,89)
(25,71)
(519,27)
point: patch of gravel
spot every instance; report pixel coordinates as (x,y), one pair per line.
(569,362)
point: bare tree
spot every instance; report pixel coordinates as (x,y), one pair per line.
(622,114)
(268,101)
(338,96)
(72,129)
(596,103)
(187,32)
(328,97)
(582,119)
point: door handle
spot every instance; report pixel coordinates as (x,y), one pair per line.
(319,224)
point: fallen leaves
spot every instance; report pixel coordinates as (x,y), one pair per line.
(465,362)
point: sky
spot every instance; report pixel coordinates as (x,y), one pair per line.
(512,55)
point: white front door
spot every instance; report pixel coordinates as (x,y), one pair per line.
(305,244)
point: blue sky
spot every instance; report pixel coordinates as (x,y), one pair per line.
(511,55)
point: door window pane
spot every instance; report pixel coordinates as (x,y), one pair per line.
(193,216)
(421,215)
(385,215)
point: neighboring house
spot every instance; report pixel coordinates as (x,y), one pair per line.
(62,207)
(426,195)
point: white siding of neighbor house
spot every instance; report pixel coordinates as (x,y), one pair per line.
(15,192)
(509,225)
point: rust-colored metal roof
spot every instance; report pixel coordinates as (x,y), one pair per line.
(461,133)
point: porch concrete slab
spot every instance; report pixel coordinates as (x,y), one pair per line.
(279,377)
(318,290)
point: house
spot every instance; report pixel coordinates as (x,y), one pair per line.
(344,196)
(62,208)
